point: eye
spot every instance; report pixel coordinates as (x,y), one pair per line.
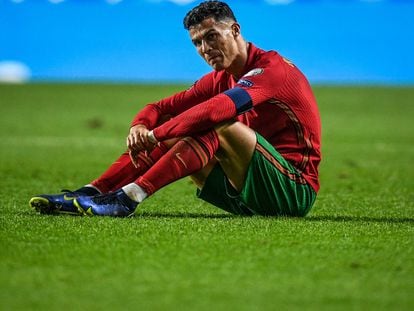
(197,43)
(211,37)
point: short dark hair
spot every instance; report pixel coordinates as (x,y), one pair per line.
(216,9)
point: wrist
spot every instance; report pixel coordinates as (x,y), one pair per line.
(151,137)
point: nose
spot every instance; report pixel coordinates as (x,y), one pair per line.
(205,47)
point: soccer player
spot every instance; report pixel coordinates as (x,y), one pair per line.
(248,133)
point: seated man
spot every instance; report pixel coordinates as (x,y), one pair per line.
(248,134)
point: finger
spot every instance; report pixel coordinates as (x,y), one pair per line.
(141,142)
(133,157)
(131,139)
(144,141)
(128,142)
(141,138)
(135,143)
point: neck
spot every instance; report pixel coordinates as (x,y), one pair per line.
(237,67)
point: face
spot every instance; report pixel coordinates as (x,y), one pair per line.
(216,42)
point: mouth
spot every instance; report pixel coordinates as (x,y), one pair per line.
(213,59)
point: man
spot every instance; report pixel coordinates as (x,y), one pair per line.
(248,134)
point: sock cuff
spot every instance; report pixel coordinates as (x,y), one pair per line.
(135,192)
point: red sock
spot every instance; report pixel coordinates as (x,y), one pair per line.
(123,172)
(187,156)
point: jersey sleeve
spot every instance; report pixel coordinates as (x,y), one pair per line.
(200,91)
(260,84)
(254,88)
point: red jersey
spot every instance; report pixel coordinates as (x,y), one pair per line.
(273,98)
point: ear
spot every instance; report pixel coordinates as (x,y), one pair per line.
(235,28)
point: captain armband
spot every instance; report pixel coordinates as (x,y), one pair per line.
(241,99)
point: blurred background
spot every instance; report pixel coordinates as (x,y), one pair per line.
(333,42)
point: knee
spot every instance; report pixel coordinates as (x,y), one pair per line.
(235,133)
(225,128)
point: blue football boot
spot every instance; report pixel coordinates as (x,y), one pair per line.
(55,203)
(115,204)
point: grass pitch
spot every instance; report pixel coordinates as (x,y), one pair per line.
(355,250)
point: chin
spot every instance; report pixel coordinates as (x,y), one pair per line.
(218,67)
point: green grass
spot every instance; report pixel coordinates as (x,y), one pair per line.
(355,250)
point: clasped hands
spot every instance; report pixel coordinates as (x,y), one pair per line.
(139,139)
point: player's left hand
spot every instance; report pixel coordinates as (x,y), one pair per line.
(137,141)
